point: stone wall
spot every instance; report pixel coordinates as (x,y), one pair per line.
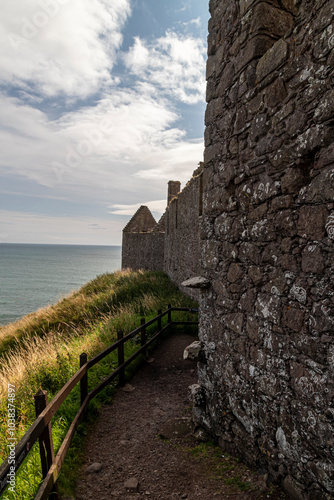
(143,251)
(267,322)
(182,234)
(143,242)
(173,244)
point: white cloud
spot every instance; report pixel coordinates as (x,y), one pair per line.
(60,46)
(178,162)
(124,146)
(196,22)
(175,63)
(157,206)
(138,56)
(113,152)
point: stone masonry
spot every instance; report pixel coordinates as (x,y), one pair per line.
(173,244)
(182,236)
(143,242)
(267,237)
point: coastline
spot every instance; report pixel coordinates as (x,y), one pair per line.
(46,353)
(37,276)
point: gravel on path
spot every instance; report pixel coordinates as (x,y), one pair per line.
(142,445)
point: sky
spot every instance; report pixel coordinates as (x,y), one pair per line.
(101,104)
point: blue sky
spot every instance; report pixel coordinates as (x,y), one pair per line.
(102,103)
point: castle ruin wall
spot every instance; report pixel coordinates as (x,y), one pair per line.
(267,239)
(182,234)
(143,251)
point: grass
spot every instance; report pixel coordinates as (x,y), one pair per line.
(42,351)
(222,466)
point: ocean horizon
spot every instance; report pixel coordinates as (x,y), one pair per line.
(37,275)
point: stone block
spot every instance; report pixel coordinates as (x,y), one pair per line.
(259,126)
(276,93)
(284,223)
(252,327)
(259,212)
(226,79)
(249,253)
(286,245)
(255,49)
(293,180)
(282,158)
(274,21)
(266,188)
(320,189)
(289,262)
(193,350)
(213,110)
(196,282)
(312,259)
(247,300)
(245,5)
(235,273)
(268,307)
(255,274)
(294,489)
(314,138)
(197,395)
(282,202)
(311,222)
(293,318)
(270,254)
(240,120)
(296,122)
(234,322)
(272,59)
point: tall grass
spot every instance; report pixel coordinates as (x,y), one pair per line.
(42,351)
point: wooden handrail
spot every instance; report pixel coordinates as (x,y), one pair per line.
(43,420)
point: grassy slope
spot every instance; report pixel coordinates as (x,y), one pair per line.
(42,351)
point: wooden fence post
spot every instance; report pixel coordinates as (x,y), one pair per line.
(143,335)
(84,380)
(159,321)
(169,314)
(121,378)
(46,450)
(143,332)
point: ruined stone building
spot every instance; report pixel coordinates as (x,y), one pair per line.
(259,219)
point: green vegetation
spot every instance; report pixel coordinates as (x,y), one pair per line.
(42,351)
(239,483)
(222,466)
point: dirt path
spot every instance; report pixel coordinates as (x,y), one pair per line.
(136,454)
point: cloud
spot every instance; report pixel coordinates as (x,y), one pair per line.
(79,131)
(157,206)
(138,56)
(185,6)
(111,148)
(196,22)
(174,63)
(60,46)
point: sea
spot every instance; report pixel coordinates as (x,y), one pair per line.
(34,276)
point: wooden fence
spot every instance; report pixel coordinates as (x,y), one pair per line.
(41,428)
